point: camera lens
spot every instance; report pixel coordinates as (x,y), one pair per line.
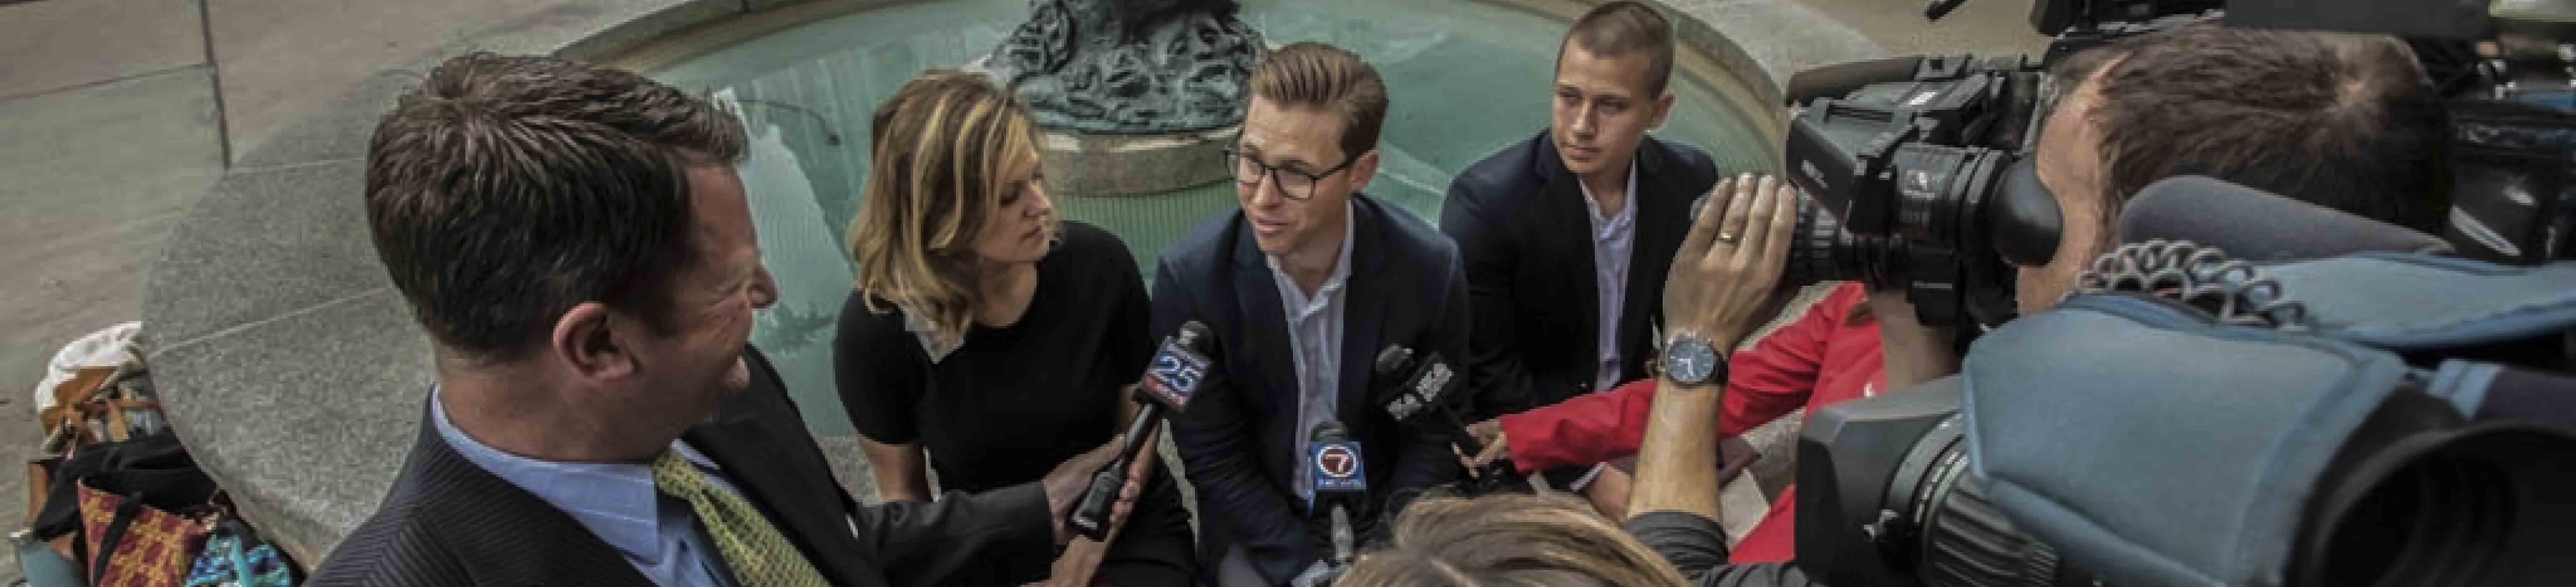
(1816,248)
(1937,194)
(2459,507)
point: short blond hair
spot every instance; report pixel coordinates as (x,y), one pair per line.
(1325,77)
(1622,28)
(1509,540)
(936,152)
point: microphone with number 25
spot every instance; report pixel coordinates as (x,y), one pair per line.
(1179,369)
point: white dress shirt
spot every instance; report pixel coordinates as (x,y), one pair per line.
(1612,239)
(1315,337)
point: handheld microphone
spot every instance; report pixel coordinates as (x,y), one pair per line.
(1340,479)
(2256,225)
(1421,385)
(1179,369)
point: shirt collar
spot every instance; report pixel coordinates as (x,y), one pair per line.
(616,501)
(1603,228)
(1308,305)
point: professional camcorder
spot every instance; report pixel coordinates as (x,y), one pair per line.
(2369,418)
(2325,430)
(1911,182)
(1919,176)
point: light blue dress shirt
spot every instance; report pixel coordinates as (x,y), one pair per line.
(1613,237)
(616,502)
(1315,341)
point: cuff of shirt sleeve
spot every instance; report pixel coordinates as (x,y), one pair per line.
(1525,436)
(1031,531)
(1692,543)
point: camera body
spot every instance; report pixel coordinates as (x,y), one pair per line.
(1907,185)
(1919,180)
(1886,499)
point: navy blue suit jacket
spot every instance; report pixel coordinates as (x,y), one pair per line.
(1238,436)
(1520,222)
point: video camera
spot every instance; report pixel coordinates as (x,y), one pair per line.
(1919,179)
(1919,175)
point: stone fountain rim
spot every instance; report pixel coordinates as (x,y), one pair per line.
(1704,56)
(214,286)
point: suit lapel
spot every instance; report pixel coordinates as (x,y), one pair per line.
(743,438)
(1265,327)
(502,534)
(1565,217)
(1364,300)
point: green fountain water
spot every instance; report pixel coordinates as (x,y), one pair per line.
(1464,78)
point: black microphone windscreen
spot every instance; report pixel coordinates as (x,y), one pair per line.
(2256,225)
(1393,360)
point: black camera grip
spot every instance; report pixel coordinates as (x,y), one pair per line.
(1090,515)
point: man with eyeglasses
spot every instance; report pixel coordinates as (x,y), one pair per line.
(1301,288)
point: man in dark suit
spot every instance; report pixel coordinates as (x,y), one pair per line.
(1302,288)
(1566,235)
(578,246)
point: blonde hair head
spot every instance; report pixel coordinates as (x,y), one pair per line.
(938,150)
(1509,540)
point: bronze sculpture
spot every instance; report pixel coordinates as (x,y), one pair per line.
(1130,66)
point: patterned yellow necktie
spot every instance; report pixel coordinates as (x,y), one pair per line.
(751,546)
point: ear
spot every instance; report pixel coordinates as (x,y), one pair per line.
(1363,169)
(587,340)
(1663,110)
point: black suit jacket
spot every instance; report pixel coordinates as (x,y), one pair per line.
(1520,222)
(1238,436)
(447,521)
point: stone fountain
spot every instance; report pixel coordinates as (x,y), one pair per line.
(295,374)
(1136,96)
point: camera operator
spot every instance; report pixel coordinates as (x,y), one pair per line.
(2340,120)
(2345,121)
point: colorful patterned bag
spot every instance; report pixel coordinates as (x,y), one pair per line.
(132,544)
(235,557)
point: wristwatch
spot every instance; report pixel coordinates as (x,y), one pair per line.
(1692,361)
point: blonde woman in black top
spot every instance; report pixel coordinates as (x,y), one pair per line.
(984,338)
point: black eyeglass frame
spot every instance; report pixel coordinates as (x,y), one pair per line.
(1234,160)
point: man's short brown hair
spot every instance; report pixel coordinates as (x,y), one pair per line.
(1322,76)
(506,190)
(1623,28)
(2339,120)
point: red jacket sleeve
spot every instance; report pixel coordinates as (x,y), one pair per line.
(1582,430)
(1773,378)
(1778,375)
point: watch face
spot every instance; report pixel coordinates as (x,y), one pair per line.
(1690,360)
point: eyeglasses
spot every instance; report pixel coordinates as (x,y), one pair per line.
(1293,184)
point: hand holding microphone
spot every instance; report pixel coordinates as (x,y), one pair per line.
(1181,366)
